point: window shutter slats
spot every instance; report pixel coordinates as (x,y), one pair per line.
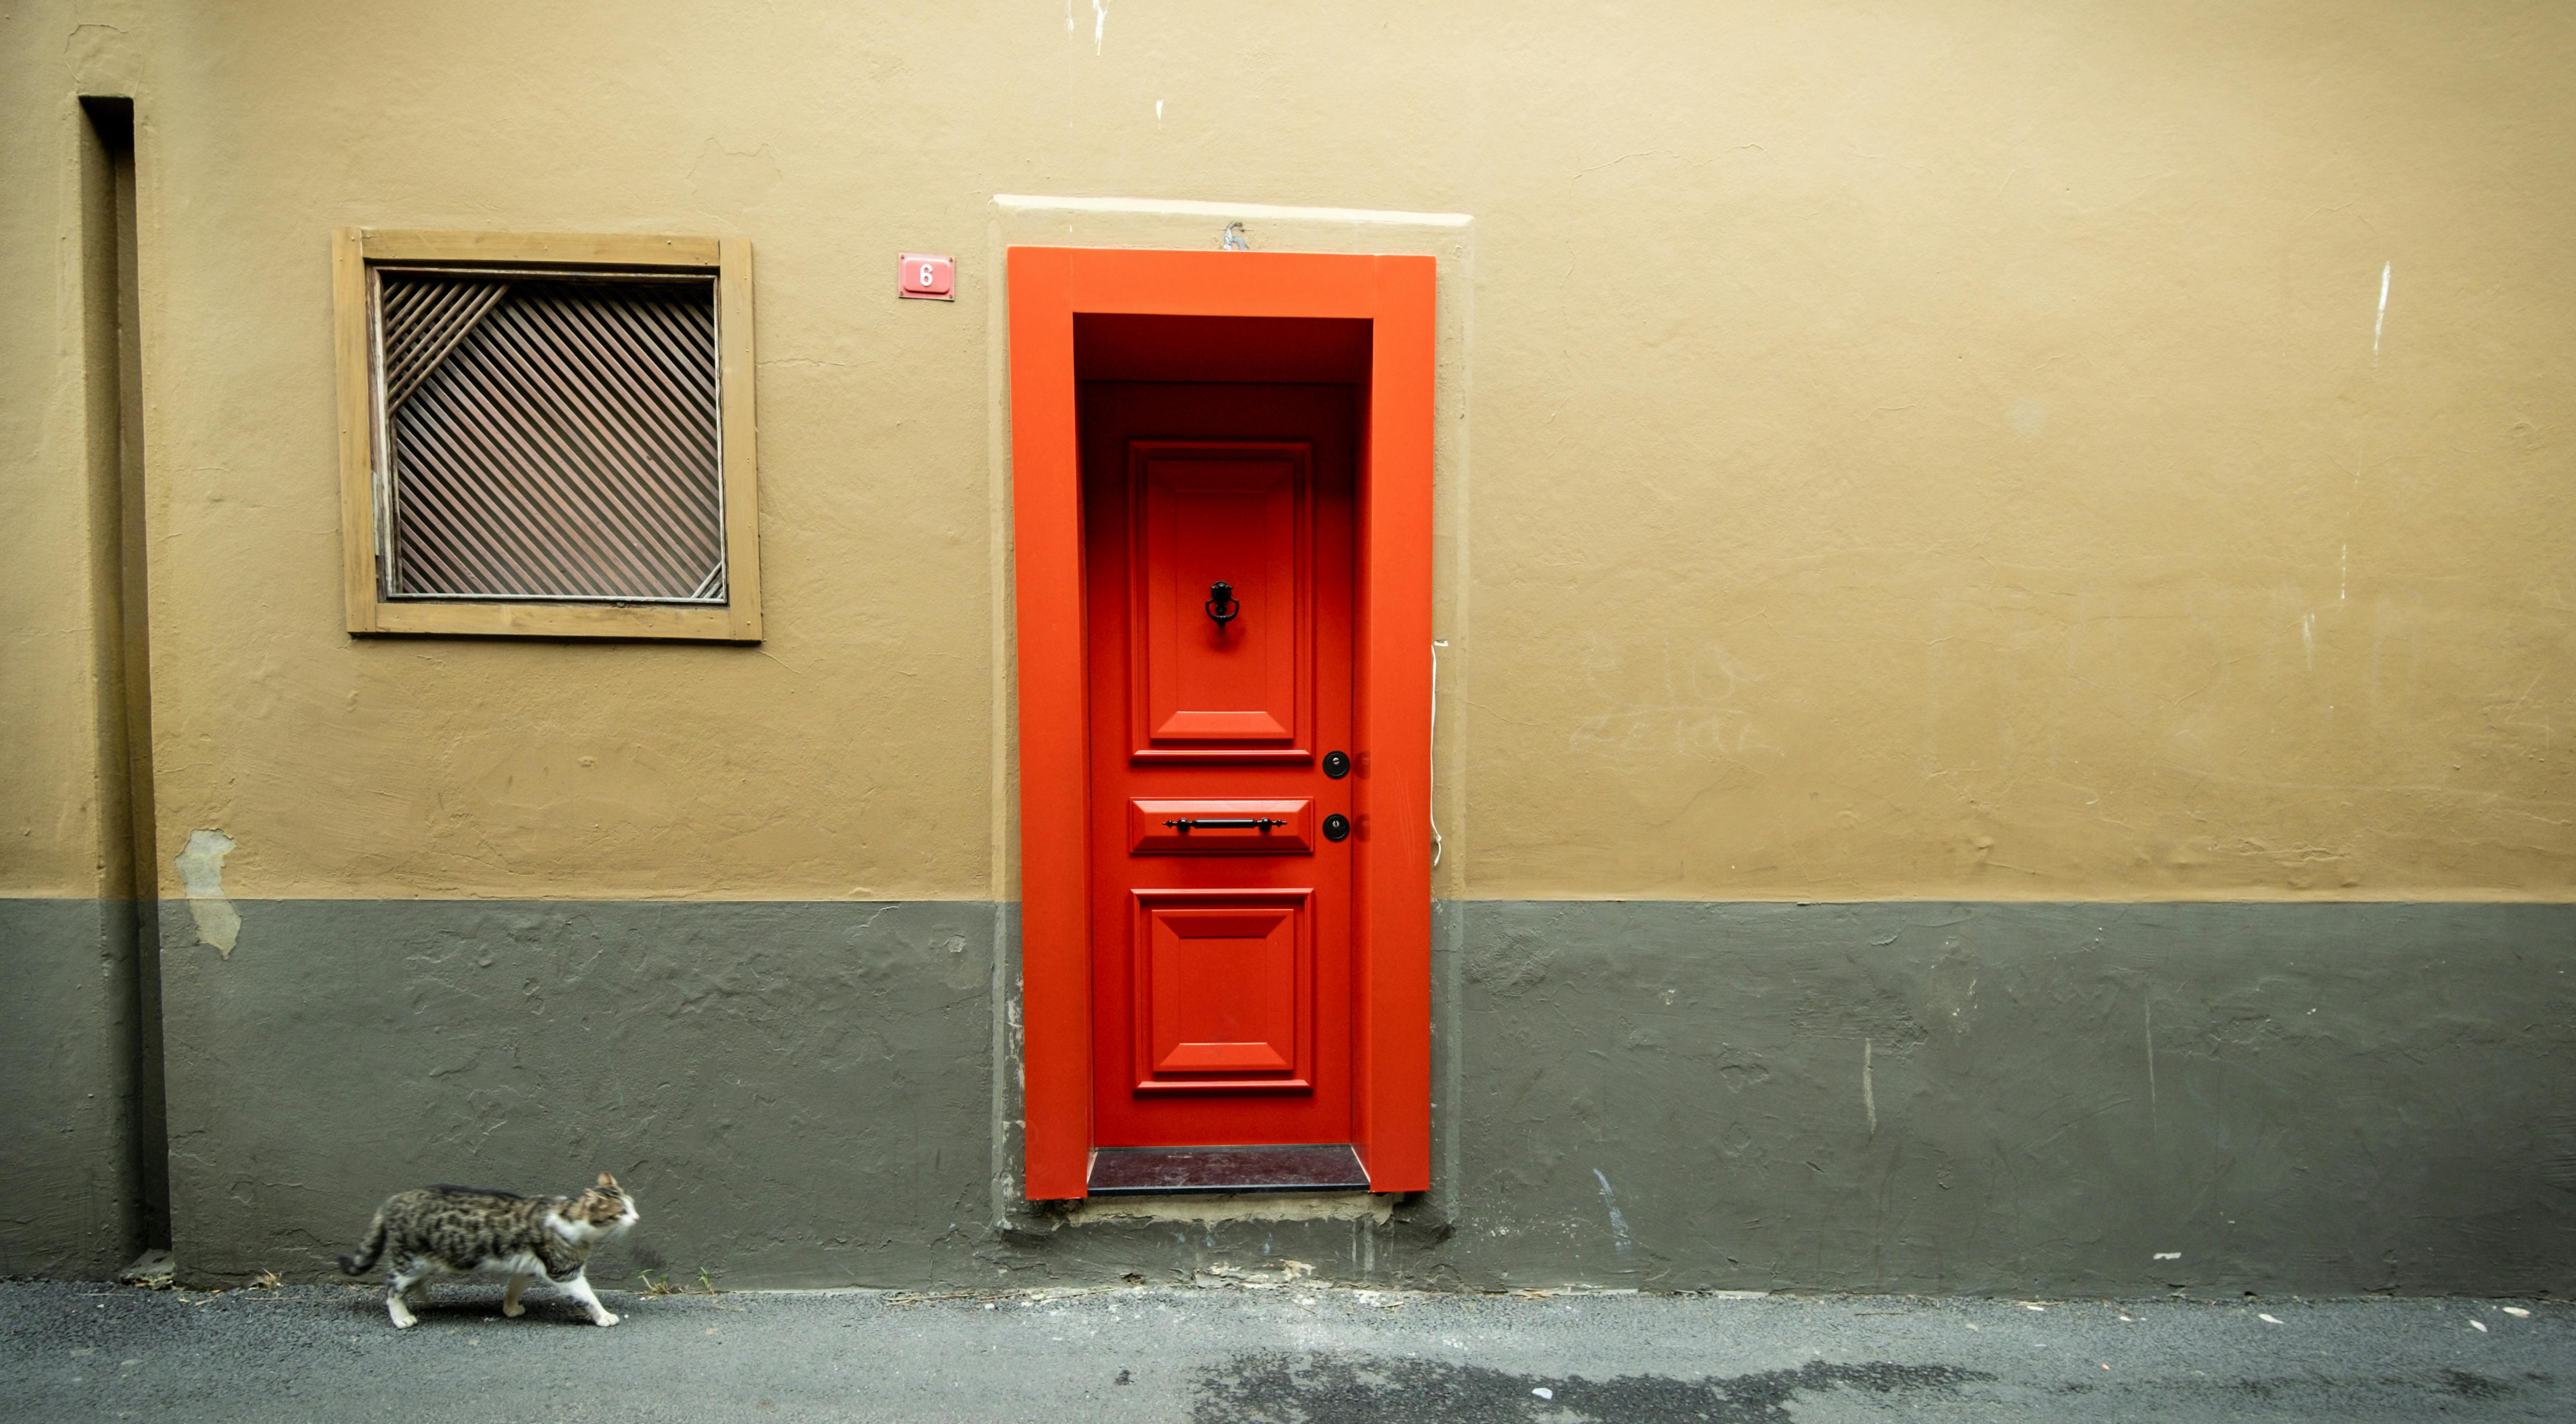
(551,438)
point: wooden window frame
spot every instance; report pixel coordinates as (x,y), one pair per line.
(355,250)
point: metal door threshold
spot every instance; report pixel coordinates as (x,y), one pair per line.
(1304,1167)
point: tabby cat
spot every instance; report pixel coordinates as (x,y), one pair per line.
(465,1230)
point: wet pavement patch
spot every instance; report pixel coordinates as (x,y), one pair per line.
(1335,1389)
(2471,1386)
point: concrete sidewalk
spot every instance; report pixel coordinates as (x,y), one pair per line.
(1280,1353)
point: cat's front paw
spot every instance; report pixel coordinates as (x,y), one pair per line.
(604,1318)
(513,1309)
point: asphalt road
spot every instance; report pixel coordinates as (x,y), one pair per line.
(1279,1353)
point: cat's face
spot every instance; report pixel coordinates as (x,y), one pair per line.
(605,1208)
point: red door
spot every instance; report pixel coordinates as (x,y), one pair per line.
(1218,557)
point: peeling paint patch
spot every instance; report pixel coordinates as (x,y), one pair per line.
(201,870)
(1950,986)
(1618,1223)
(2381,324)
(1868,1090)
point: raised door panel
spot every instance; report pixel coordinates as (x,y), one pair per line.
(1225,990)
(1237,514)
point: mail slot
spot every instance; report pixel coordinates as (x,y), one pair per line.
(1196,827)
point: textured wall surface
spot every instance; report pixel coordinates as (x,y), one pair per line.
(2006,1098)
(66,1195)
(1920,450)
(1988,452)
(1961,1097)
(797,1094)
(1932,1097)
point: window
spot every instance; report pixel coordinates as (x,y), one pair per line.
(547,435)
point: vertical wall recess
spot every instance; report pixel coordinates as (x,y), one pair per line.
(119,579)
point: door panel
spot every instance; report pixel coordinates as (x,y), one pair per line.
(1235,514)
(1226,990)
(1221,953)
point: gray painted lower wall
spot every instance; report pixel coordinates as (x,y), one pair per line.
(797,1094)
(68,1203)
(2003,1098)
(1992,1098)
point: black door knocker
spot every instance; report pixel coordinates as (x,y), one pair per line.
(1221,604)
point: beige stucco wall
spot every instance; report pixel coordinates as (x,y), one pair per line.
(54,816)
(1916,450)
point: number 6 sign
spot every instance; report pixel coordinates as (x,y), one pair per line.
(921,275)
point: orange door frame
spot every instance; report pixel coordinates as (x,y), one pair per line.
(1391,869)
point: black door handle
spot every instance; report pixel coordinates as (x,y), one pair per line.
(1187,824)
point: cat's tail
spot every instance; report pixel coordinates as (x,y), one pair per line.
(368,1250)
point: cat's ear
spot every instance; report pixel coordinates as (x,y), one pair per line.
(608,1181)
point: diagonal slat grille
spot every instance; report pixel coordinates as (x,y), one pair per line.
(551,439)
(423,322)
